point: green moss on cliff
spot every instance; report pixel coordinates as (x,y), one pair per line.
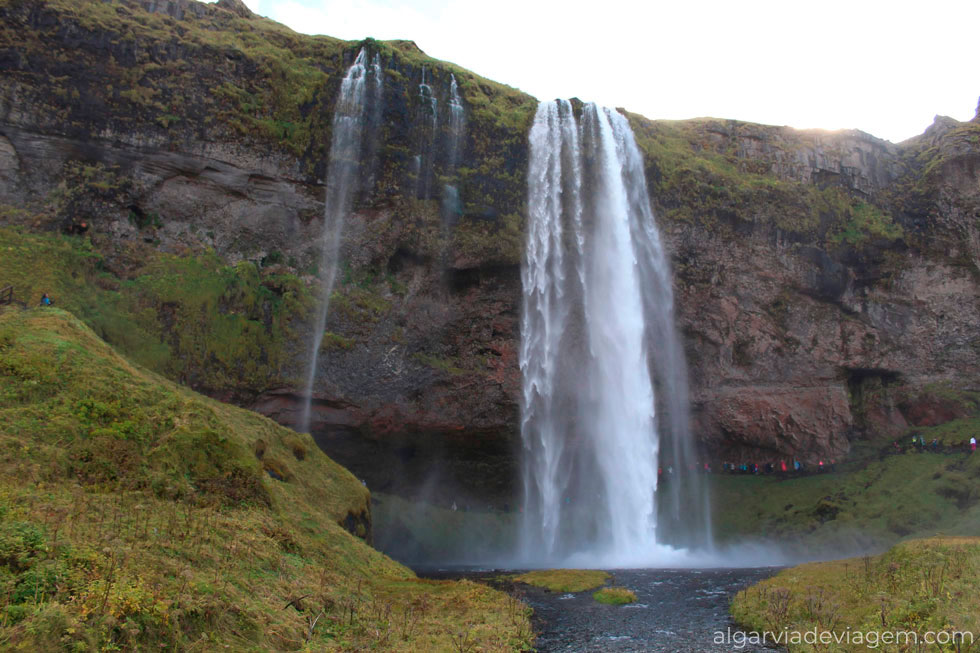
(698,174)
(162,81)
(859,223)
(448,365)
(482,242)
(332,341)
(694,181)
(191,317)
(246,79)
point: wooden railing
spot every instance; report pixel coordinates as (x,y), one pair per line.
(6,295)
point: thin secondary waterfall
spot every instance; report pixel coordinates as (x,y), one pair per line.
(456,118)
(363,81)
(454,136)
(428,98)
(427,122)
(598,343)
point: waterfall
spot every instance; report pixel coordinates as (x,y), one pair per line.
(456,118)
(426,125)
(428,98)
(604,377)
(454,135)
(362,82)
(374,115)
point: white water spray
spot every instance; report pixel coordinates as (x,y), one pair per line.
(363,80)
(596,325)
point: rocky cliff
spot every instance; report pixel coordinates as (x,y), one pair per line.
(826,282)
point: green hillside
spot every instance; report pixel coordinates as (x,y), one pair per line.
(918,591)
(876,498)
(138,515)
(191,317)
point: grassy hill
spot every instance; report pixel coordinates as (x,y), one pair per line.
(138,515)
(878,497)
(918,587)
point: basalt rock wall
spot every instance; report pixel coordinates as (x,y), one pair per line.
(826,282)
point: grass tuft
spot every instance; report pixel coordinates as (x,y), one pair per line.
(615,596)
(565,580)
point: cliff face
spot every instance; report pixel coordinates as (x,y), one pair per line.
(849,314)
(826,282)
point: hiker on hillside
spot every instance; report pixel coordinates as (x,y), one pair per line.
(45,300)
(973,444)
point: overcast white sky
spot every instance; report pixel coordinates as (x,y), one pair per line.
(884,67)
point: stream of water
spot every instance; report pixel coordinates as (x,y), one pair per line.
(677,611)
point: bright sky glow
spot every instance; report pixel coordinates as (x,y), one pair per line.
(884,67)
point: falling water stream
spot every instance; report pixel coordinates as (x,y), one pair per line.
(604,402)
(455,130)
(362,81)
(426,126)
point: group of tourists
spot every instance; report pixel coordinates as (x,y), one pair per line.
(920,445)
(780,467)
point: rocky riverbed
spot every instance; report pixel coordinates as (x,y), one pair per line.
(677,610)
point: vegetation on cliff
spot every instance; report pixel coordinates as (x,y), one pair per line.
(700,171)
(206,78)
(135,514)
(192,70)
(918,587)
(936,189)
(192,317)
